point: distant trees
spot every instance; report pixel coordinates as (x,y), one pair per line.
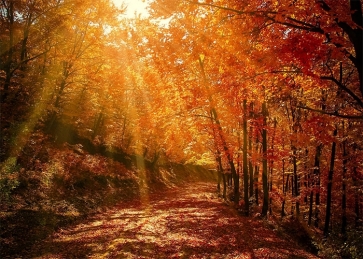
(270,90)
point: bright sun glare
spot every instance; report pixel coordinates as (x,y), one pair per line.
(133,7)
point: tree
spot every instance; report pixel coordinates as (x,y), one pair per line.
(264,161)
(245,163)
(304,54)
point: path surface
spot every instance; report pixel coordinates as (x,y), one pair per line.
(189,222)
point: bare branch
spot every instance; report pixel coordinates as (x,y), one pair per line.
(336,114)
(344,88)
(270,15)
(27,60)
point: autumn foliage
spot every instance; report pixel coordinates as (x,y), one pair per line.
(268,93)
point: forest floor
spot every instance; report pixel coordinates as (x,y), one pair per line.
(188,221)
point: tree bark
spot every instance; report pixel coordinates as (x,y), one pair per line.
(255,182)
(250,165)
(264,161)
(296,191)
(224,186)
(245,162)
(285,189)
(330,186)
(214,116)
(272,163)
(356,198)
(344,194)
(315,185)
(250,169)
(9,60)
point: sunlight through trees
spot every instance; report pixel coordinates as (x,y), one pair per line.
(268,93)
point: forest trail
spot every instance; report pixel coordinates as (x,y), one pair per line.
(183,222)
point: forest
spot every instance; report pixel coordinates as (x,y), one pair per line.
(262,100)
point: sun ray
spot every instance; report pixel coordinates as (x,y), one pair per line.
(135,82)
(134,7)
(26,129)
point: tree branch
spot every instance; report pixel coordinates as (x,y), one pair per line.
(234,10)
(27,60)
(306,27)
(344,88)
(336,114)
(299,24)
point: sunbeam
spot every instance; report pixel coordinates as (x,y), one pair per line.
(134,7)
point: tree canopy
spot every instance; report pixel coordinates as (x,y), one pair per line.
(269,91)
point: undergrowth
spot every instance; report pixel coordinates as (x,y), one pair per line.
(51,185)
(335,246)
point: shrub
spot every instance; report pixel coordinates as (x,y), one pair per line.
(9,178)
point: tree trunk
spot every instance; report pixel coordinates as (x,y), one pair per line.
(307,176)
(9,60)
(356,197)
(256,174)
(356,37)
(330,186)
(224,186)
(66,70)
(219,175)
(285,194)
(296,191)
(250,165)
(250,168)
(98,125)
(264,161)
(272,164)
(245,163)
(344,195)
(24,42)
(317,184)
(220,132)
(314,183)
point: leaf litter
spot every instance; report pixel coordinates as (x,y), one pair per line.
(182,222)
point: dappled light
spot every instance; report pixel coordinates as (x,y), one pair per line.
(181,129)
(186,222)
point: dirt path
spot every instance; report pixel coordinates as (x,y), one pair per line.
(188,222)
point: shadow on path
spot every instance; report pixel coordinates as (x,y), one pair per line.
(186,222)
